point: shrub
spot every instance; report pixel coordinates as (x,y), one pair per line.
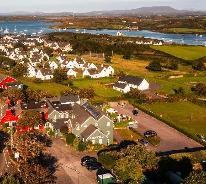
(199,65)
(82,146)
(107,160)
(76,143)
(70,138)
(154,66)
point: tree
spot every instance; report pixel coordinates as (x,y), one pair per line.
(35,174)
(199,89)
(137,95)
(19,70)
(30,118)
(82,146)
(199,65)
(154,66)
(128,169)
(13,94)
(49,51)
(179,91)
(195,178)
(59,75)
(70,138)
(172,65)
(127,55)
(107,58)
(9,179)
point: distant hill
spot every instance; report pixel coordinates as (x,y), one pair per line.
(143,11)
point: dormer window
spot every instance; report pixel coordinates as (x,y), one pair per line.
(108,123)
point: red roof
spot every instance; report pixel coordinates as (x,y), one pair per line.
(9,117)
(6,80)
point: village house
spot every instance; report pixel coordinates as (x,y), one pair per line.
(126,83)
(44,74)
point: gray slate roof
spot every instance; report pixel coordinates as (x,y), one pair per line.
(131,79)
(88,131)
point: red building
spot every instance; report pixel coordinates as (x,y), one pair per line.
(4,80)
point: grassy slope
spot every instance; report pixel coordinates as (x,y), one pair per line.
(184,52)
(186,30)
(185,115)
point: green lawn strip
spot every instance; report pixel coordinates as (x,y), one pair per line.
(128,134)
(184,52)
(122,124)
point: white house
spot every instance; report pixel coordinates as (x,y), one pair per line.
(44,74)
(126,83)
(53,65)
(71,73)
(122,87)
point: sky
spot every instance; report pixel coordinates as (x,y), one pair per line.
(93,5)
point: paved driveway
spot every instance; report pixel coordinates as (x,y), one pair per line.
(70,170)
(171,139)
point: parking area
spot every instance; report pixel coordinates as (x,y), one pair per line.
(69,169)
(171,139)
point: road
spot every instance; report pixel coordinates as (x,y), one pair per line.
(69,169)
(171,139)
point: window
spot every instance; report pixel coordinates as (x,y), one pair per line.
(93,141)
(100,141)
(108,123)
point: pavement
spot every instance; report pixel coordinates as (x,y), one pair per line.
(171,139)
(69,169)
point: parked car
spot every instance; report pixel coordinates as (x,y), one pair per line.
(143,142)
(135,112)
(93,165)
(150,133)
(86,159)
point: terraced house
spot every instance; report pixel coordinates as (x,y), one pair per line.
(84,121)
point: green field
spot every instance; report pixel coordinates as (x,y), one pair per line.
(184,52)
(186,30)
(50,87)
(184,115)
(102,91)
(100,86)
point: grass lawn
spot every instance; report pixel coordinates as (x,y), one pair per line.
(99,86)
(184,52)
(186,30)
(122,124)
(127,134)
(185,115)
(50,87)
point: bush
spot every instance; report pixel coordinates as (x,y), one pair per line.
(107,160)
(76,143)
(70,138)
(82,146)
(64,130)
(199,65)
(154,66)
(37,81)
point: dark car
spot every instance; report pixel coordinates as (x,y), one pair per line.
(135,112)
(93,165)
(86,159)
(150,133)
(143,142)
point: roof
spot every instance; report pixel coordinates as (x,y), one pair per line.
(131,79)
(59,123)
(33,105)
(88,131)
(69,98)
(105,176)
(92,111)
(120,85)
(46,71)
(56,105)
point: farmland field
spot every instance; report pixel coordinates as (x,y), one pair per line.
(184,52)
(186,30)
